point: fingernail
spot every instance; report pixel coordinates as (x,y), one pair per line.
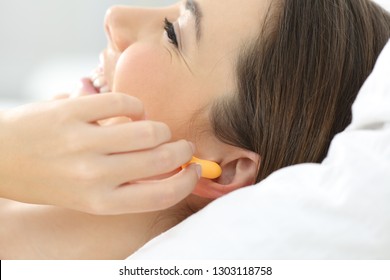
(198,168)
(192,147)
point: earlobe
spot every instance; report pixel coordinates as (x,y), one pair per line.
(236,173)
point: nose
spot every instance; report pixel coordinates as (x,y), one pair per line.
(125,25)
(120,29)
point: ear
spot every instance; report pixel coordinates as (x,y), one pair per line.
(238,170)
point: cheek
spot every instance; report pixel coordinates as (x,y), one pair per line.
(149,74)
(139,72)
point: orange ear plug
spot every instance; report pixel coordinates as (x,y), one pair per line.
(210,169)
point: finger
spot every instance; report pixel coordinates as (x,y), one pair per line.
(145,164)
(114,121)
(61,96)
(77,94)
(97,107)
(131,136)
(153,196)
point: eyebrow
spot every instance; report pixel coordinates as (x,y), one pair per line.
(196,11)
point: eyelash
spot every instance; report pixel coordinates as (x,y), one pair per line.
(171,32)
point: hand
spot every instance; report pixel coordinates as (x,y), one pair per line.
(55,153)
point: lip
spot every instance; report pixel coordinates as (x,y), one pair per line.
(96,82)
(99,79)
(87,86)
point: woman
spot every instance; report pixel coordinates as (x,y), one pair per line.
(256,85)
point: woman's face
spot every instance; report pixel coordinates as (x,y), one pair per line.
(180,65)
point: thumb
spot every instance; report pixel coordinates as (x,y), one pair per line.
(61,96)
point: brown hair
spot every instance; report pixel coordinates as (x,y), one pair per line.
(297,81)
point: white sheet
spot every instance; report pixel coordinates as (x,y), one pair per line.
(339,209)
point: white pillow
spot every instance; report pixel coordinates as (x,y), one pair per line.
(335,210)
(384,3)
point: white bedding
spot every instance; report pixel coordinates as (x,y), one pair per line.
(339,209)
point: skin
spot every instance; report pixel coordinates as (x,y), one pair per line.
(62,152)
(174,85)
(185,79)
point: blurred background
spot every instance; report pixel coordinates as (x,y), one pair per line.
(48,45)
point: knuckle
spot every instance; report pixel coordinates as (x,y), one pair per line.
(79,139)
(149,133)
(165,158)
(74,143)
(119,101)
(87,173)
(166,131)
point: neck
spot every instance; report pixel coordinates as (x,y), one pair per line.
(166,219)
